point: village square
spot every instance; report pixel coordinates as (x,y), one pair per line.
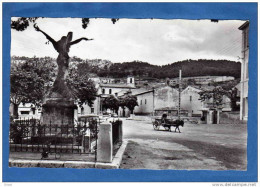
(69,112)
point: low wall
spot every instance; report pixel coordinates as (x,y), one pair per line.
(230,118)
(109,134)
(140,118)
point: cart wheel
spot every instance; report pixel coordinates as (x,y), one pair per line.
(167,128)
(156,125)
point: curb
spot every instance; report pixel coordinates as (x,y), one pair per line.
(71,164)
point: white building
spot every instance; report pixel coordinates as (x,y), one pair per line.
(28,111)
(244,71)
(145,101)
(223,79)
(190,101)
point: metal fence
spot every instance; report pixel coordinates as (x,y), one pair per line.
(32,136)
(116,125)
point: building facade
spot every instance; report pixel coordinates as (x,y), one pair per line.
(244,71)
(165,96)
(26,111)
(145,103)
(190,101)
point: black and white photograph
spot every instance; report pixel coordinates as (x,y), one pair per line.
(117,93)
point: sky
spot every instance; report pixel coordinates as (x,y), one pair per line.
(156,41)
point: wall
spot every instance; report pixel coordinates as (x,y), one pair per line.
(165,97)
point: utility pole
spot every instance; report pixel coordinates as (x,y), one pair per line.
(179,109)
(153,101)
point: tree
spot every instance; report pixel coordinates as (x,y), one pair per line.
(231,91)
(80,86)
(83,89)
(130,102)
(216,94)
(29,81)
(32,79)
(111,102)
(22,23)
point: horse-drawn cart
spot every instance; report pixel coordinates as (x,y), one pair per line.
(167,124)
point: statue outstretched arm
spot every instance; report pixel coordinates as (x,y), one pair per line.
(46,35)
(78,40)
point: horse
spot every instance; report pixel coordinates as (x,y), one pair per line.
(175,124)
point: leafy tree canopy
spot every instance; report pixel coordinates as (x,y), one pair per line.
(111,102)
(82,87)
(130,102)
(215,94)
(30,80)
(22,23)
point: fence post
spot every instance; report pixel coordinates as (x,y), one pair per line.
(210,121)
(105,144)
(120,130)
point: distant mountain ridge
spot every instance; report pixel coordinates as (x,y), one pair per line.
(190,68)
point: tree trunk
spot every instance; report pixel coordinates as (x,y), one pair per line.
(15,111)
(218,116)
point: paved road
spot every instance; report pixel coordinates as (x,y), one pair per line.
(206,147)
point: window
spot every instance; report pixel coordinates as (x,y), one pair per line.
(190,98)
(110,91)
(33,110)
(141,102)
(103,91)
(82,110)
(25,112)
(92,110)
(131,81)
(145,101)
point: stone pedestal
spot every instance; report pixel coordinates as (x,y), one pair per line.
(105,144)
(58,112)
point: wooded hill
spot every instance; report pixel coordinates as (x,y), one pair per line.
(190,68)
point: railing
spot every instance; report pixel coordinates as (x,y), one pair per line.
(32,136)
